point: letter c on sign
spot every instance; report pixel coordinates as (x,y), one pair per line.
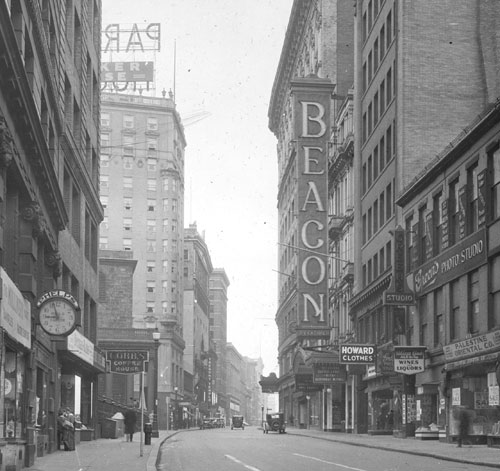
(305,241)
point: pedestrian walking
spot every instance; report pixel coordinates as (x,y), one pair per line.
(130,424)
(463,425)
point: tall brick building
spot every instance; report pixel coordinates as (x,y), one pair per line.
(424,71)
(49,217)
(142,192)
(219,283)
(318,45)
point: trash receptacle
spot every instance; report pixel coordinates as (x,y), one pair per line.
(148,431)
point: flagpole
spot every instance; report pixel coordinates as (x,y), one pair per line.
(142,411)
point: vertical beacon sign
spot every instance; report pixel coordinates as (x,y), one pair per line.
(311,98)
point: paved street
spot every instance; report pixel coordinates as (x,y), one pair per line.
(314,450)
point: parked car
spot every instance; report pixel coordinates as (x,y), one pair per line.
(275,422)
(206,423)
(237,421)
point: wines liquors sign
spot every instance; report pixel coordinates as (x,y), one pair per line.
(311,113)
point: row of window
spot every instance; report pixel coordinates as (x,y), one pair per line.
(381,45)
(441,222)
(373,8)
(166,307)
(151,183)
(381,101)
(128,162)
(382,154)
(128,122)
(461,301)
(128,144)
(377,265)
(378,213)
(150,246)
(151,204)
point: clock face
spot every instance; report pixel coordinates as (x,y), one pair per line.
(57,316)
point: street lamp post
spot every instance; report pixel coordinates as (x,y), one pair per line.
(175,409)
(156,338)
(308,412)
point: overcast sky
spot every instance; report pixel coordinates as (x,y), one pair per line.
(227,53)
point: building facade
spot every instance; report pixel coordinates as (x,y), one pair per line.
(408,105)
(50,214)
(142,192)
(311,49)
(200,358)
(219,283)
(451,212)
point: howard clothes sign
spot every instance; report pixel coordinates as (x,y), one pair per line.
(311,98)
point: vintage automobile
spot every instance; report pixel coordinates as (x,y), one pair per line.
(275,422)
(206,423)
(237,421)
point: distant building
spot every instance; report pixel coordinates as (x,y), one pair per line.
(219,284)
(200,358)
(142,193)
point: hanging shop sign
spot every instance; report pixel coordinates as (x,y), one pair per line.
(311,98)
(127,361)
(304,383)
(327,373)
(459,259)
(81,346)
(358,354)
(15,311)
(409,360)
(398,293)
(473,346)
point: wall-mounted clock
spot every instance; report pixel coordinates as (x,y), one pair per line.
(58,312)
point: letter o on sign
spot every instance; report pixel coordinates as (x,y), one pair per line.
(322,270)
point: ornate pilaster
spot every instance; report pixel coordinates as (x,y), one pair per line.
(5,145)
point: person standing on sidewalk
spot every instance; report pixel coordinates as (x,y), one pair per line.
(463,425)
(130,422)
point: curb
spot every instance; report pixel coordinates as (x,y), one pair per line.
(408,452)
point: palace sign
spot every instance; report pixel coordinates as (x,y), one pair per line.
(311,113)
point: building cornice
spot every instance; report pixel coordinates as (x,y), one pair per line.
(286,65)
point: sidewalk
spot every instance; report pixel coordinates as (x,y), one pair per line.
(104,454)
(469,454)
(119,455)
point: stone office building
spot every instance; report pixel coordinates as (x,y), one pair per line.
(452,219)
(49,217)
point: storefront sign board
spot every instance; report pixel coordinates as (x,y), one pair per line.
(127,361)
(473,346)
(15,311)
(409,360)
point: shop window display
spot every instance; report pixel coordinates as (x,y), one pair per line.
(13,419)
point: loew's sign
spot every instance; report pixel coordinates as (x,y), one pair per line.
(126,361)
